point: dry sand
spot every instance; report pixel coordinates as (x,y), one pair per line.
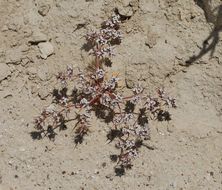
(160,36)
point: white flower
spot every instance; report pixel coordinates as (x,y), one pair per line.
(113,21)
(127,118)
(84,102)
(135,99)
(138,89)
(105,100)
(142,130)
(100,73)
(151,103)
(64,100)
(101,40)
(117,120)
(92,35)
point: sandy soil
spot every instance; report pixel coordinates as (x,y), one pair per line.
(160,38)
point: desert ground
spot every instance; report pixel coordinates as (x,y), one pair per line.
(172,43)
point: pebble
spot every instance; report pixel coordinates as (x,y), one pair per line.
(46,49)
(151,39)
(126,2)
(127,8)
(43,93)
(31,71)
(4,71)
(96,171)
(38,37)
(125,11)
(25,61)
(12,27)
(10,162)
(4,28)
(34,89)
(109,176)
(43,9)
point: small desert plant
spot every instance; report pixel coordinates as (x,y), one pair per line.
(95,94)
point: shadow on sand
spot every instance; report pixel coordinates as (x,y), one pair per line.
(209,44)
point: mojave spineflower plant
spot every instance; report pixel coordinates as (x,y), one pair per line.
(96,94)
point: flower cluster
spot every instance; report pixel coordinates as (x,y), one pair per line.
(168,100)
(102,40)
(133,122)
(94,92)
(64,76)
(113,22)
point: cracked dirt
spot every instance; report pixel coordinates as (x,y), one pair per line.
(172,43)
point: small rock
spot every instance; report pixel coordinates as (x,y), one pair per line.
(27,32)
(12,27)
(126,2)
(127,7)
(4,28)
(25,61)
(10,162)
(43,93)
(43,9)
(151,39)
(38,37)
(4,71)
(96,171)
(34,89)
(46,49)
(125,11)
(109,176)
(31,71)
(150,42)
